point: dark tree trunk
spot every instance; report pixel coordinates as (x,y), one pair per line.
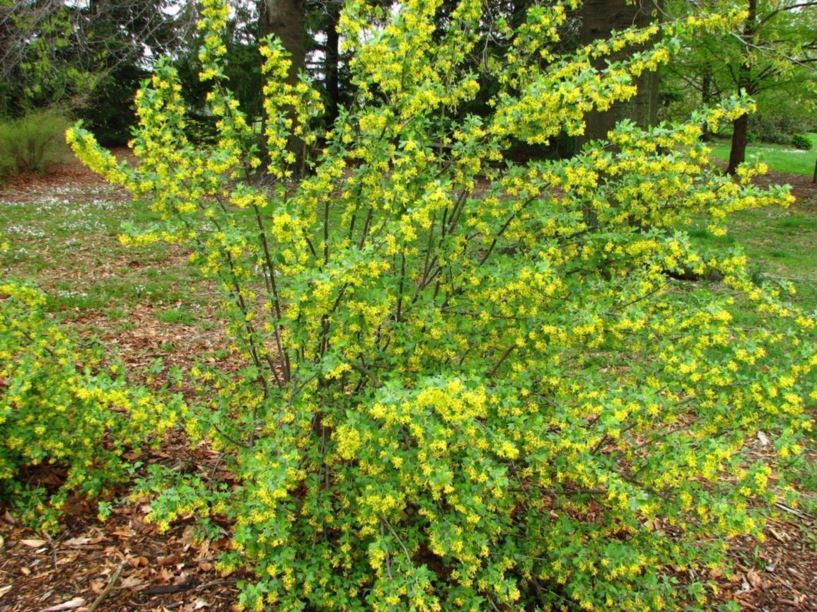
(286,19)
(740,127)
(332,59)
(599,19)
(740,135)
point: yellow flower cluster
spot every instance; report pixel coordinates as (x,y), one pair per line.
(54,410)
(466,381)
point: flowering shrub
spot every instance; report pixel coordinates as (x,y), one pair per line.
(58,406)
(471,383)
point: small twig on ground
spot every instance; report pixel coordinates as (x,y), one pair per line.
(108,588)
(794,511)
(165,589)
(53,547)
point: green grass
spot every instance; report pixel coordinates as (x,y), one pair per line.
(780,245)
(65,240)
(177,316)
(780,158)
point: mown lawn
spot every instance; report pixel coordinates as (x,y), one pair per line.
(780,158)
(781,246)
(67,241)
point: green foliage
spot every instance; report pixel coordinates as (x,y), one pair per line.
(33,143)
(778,127)
(87,57)
(109,111)
(799,141)
(470,383)
(41,64)
(60,406)
(771,58)
(241,68)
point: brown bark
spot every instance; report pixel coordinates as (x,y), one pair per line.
(286,19)
(740,127)
(599,19)
(332,58)
(740,137)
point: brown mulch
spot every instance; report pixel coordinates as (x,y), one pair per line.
(124,563)
(781,573)
(69,173)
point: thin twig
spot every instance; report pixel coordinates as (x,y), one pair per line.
(108,587)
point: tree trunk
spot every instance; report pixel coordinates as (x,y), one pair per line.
(740,134)
(740,127)
(332,59)
(599,19)
(286,20)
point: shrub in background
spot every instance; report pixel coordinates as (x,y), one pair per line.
(801,142)
(59,405)
(32,143)
(471,383)
(109,111)
(776,128)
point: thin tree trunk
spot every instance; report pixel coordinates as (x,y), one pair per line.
(740,135)
(740,127)
(332,59)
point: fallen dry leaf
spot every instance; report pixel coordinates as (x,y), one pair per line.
(131,582)
(77,602)
(754,578)
(33,543)
(77,542)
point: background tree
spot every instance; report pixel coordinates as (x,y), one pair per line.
(599,18)
(86,58)
(286,19)
(773,58)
